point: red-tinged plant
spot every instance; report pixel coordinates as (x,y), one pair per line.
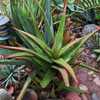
(49,57)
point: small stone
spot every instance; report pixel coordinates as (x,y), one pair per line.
(72,96)
(82,75)
(88,28)
(94,75)
(97,81)
(93,56)
(4,20)
(30,95)
(94,97)
(84,97)
(90,73)
(4,95)
(83,87)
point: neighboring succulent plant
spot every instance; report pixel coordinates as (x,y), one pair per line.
(11,74)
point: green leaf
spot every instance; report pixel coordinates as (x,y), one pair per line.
(24,15)
(73,89)
(72,51)
(30,4)
(61,62)
(65,48)
(36,40)
(19,54)
(30,44)
(98,58)
(48,22)
(59,37)
(4,51)
(12,62)
(48,77)
(85,5)
(64,75)
(27,51)
(97,50)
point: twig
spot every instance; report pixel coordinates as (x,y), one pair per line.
(88,67)
(24,89)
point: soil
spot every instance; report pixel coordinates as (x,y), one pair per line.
(89,80)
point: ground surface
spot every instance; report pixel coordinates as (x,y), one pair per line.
(89,80)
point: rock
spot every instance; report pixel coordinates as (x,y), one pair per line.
(92,87)
(84,97)
(30,95)
(91,43)
(90,73)
(43,95)
(88,28)
(94,75)
(4,20)
(98,93)
(93,56)
(83,87)
(97,81)
(82,75)
(4,95)
(94,97)
(72,96)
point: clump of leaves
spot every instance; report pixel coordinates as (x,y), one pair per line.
(11,74)
(87,11)
(48,54)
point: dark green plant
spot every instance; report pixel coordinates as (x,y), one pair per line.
(84,5)
(10,74)
(87,10)
(36,15)
(48,58)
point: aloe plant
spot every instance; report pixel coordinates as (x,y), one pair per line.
(49,56)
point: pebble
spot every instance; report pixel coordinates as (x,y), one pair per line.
(94,97)
(72,96)
(93,56)
(90,73)
(83,87)
(4,95)
(84,97)
(94,75)
(30,95)
(97,81)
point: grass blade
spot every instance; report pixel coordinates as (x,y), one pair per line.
(59,37)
